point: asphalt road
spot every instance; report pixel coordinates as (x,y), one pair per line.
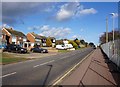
(41,71)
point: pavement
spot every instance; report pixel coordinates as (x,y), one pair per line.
(96,70)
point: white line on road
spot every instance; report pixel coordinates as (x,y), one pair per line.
(64,57)
(43,63)
(8,75)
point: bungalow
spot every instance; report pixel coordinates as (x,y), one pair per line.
(10,36)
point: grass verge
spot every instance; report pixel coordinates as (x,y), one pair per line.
(63,51)
(9,58)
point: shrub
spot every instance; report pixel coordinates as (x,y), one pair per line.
(48,42)
(73,43)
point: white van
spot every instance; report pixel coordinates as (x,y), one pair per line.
(65,46)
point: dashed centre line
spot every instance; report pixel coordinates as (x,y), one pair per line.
(43,64)
(8,74)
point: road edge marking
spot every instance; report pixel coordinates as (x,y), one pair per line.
(59,79)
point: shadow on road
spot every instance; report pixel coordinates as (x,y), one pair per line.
(47,76)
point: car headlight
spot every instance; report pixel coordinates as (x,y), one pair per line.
(43,50)
(21,49)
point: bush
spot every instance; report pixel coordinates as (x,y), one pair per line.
(74,44)
(48,42)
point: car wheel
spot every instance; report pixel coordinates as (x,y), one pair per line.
(32,51)
(9,50)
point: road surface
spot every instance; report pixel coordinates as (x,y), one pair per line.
(41,71)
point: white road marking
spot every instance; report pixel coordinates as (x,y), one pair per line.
(8,74)
(64,57)
(43,63)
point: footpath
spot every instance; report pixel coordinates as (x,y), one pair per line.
(97,70)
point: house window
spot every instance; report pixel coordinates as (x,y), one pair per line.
(20,38)
(25,45)
(13,42)
(54,41)
(29,45)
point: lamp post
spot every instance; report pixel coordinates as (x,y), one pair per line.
(113,14)
(106,29)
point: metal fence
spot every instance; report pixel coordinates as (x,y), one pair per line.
(112,50)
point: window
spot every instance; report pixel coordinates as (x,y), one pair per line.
(29,45)
(25,45)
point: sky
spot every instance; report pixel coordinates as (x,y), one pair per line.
(82,20)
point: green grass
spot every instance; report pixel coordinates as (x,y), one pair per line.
(62,51)
(9,58)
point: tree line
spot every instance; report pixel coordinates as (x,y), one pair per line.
(102,38)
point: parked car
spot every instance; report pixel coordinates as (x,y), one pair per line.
(39,50)
(2,46)
(60,47)
(65,46)
(15,48)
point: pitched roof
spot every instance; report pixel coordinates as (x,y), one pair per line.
(51,37)
(38,36)
(14,32)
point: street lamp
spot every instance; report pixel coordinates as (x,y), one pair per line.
(106,29)
(113,14)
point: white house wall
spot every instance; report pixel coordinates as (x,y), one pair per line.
(14,39)
(24,39)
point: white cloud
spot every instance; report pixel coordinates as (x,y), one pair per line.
(5,25)
(34,28)
(87,11)
(64,14)
(73,9)
(66,11)
(45,28)
(57,32)
(76,36)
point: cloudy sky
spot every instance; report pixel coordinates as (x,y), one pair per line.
(82,20)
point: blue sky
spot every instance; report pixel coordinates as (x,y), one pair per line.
(82,20)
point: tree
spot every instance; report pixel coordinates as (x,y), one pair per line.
(59,42)
(73,43)
(102,38)
(82,41)
(48,42)
(77,41)
(86,44)
(91,44)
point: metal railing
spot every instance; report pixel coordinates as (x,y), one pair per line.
(112,50)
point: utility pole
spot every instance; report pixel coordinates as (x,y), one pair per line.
(106,29)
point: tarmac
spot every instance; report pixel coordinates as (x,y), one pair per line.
(96,70)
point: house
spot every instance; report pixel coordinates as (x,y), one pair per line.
(53,40)
(62,41)
(38,39)
(11,36)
